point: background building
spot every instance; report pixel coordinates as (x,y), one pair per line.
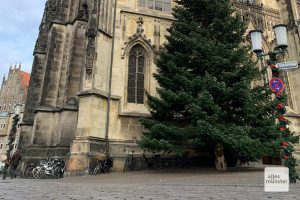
(4,118)
(13,91)
(94,60)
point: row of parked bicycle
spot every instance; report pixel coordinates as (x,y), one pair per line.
(55,167)
(48,168)
(137,162)
(155,162)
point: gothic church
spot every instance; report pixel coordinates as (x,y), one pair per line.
(93,61)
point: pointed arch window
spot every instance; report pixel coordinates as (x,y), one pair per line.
(161,5)
(136,75)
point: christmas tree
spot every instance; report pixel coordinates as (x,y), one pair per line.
(206,95)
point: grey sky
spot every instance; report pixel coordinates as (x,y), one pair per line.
(19,23)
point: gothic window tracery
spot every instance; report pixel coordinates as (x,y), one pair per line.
(136,75)
(161,5)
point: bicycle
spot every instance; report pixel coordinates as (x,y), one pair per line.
(27,173)
(103,166)
(58,168)
(182,161)
(154,162)
(50,168)
(130,163)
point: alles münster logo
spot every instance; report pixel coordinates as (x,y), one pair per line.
(277,179)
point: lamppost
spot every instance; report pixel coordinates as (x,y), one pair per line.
(282,44)
(286,137)
(13,131)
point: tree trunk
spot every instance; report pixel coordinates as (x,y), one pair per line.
(220,162)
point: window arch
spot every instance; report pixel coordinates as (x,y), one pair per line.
(161,5)
(136,75)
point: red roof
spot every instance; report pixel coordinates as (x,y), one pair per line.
(25,78)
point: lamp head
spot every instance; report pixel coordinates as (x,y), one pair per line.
(281,35)
(256,40)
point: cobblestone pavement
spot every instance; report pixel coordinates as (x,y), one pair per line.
(148,185)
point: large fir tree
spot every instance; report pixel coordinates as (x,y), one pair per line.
(206,95)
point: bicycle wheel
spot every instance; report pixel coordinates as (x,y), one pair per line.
(42,172)
(55,172)
(96,170)
(125,165)
(158,164)
(176,163)
(28,172)
(133,166)
(24,173)
(36,172)
(105,169)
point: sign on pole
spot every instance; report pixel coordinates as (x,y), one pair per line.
(287,65)
(276,85)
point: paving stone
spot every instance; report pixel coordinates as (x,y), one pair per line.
(192,185)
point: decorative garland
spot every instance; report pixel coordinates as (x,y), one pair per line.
(286,135)
(12,136)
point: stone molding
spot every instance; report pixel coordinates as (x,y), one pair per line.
(97,93)
(54,110)
(147,17)
(134,114)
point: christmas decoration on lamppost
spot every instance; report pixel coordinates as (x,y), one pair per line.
(286,137)
(13,131)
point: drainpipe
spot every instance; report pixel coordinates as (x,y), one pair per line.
(110,83)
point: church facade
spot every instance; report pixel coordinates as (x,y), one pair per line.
(93,62)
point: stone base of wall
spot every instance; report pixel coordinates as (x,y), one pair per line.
(84,153)
(81,158)
(41,152)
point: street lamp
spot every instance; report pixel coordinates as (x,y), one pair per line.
(281,38)
(277,86)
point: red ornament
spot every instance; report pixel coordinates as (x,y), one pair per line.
(281,118)
(284,144)
(279,106)
(277,93)
(285,157)
(272,65)
(282,129)
(276,74)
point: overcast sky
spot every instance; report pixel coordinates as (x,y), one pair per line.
(19,23)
